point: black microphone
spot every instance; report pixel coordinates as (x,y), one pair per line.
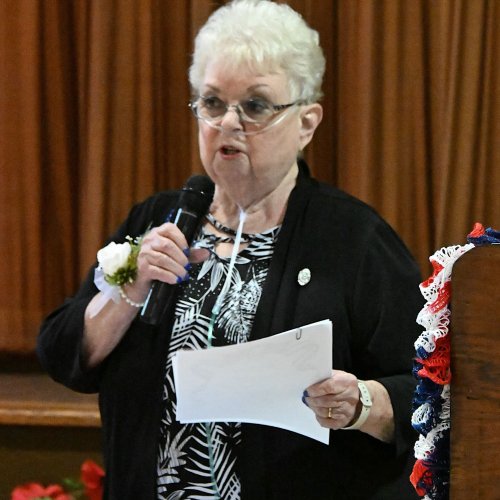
(194,202)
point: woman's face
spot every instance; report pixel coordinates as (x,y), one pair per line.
(249,168)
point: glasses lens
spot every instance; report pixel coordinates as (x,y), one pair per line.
(210,108)
(256,110)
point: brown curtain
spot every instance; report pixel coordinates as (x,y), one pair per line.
(93,118)
(467,129)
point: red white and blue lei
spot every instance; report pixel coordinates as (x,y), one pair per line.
(431,402)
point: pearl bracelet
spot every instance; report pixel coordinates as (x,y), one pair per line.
(128,300)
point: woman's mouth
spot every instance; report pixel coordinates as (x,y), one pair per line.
(229,151)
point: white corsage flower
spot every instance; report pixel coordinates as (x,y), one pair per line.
(113,257)
(117,266)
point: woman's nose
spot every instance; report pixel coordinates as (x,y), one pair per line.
(231,121)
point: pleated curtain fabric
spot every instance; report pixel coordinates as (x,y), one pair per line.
(94,117)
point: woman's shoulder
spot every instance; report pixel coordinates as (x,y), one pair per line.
(346,218)
(150,212)
(326,197)
(155,209)
(331,198)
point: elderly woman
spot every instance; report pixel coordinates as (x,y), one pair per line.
(304,252)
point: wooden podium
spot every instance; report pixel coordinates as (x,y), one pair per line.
(475,384)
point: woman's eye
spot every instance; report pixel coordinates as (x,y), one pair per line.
(213,103)
(256,107)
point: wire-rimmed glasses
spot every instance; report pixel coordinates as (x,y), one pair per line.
(256,114)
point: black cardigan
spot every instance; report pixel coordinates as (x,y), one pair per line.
(362,278)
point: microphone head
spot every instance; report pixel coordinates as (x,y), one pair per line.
(197,194)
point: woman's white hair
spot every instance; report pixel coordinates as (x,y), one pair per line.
(264,37)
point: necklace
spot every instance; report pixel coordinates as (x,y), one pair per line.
(231,233)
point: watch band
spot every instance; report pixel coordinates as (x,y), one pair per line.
(366,401)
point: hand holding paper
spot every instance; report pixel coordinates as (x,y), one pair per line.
(261,381)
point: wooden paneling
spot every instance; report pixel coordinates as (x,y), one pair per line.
(46,431)
(475,358)
(34,399)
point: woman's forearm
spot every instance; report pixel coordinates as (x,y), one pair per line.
(104,330)
(380,421)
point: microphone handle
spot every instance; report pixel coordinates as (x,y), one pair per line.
(161,294)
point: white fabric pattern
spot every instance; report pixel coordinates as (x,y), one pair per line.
(198,461)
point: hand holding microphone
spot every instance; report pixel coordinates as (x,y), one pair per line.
(194,202)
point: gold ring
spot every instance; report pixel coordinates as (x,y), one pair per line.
(329,413)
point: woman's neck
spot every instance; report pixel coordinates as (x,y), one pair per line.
(262,212)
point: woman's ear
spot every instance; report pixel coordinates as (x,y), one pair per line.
(311,115)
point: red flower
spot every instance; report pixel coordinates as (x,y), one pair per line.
(31,491)
(92,478)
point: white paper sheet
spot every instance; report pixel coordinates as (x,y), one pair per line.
(260,382)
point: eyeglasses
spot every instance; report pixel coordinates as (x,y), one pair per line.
(257,114)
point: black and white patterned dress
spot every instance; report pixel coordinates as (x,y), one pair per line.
(198,461)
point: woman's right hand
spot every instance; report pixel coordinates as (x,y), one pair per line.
(163,257)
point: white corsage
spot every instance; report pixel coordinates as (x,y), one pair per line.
(117,266)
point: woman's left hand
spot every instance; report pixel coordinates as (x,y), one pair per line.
(334,400)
